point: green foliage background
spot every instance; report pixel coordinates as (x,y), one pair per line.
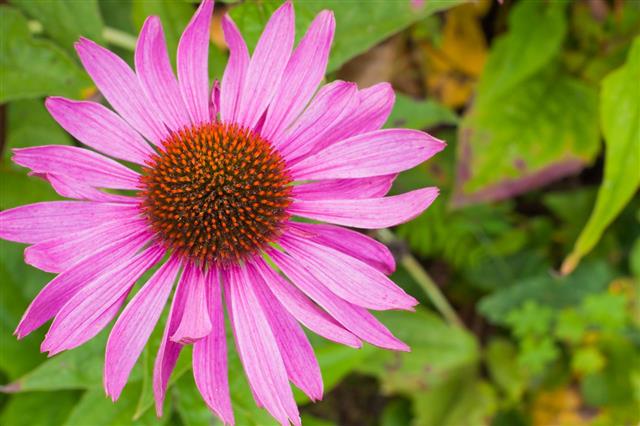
(535,242)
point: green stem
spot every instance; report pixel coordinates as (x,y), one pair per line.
(119,38)
(113,36)
(423,279)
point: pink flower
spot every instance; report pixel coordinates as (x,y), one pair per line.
(215,176)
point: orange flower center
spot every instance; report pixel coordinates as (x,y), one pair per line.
(217,193)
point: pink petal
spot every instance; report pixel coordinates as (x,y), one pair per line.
(302,75)
(81,318)
(353,243)
(380,152)
(305,311)
(100,128)
(258,348)
(344,189)
(63,287)
(299,360)
(210,356)
(267,64)
(85,166)
(156,75)
(347,277)
(214,105)
(356,319)
(37,222)
(134,326)
(69,187)
(195,322)
(326,109)
(370,113)
(370,213)
(235,72)
(168,351)
(120,86)
(193,63)
(61,253)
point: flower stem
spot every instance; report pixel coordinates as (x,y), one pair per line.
(113,36)
(423,279)
(119,38)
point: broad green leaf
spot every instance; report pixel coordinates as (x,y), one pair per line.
(336,361)
(587,360)
(536,32)
(359,25)
(308,420)
(396,413)
(79,368)
(634,259)
(29,124)
(175,16)
(65,20)
(500,358)
(96,409)
(415,114)
(17,188)
(536,354)
(189,403)
(39,408)
(117,14)
(620,117)
(542,129)
(613,385)
(460,400)
(16,356)
(437,350)
(531,319)
(31,67)
(547,290)
(530,122)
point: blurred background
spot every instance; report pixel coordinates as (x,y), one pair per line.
(527,266)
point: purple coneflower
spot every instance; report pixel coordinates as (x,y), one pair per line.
(215,176)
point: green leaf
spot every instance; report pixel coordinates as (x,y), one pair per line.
(359,25)
(530,123)
(587,360)
(620,117)
(536,354)
(189,403)
(542,129)
(396,413)
(634,259)
(547,290)
(461,400)
(38,408)
(532,319)
(101,411)
(29,124)
(416,114)
(503,369)
(79,368)
(175,16)
(536,33)
(571,325)
(31,67)
(437,350)
(65,20)
(16,357)
(17,188)
(606,311)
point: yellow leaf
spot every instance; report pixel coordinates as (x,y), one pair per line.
(452,68)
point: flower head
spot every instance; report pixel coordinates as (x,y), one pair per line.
(216,175)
